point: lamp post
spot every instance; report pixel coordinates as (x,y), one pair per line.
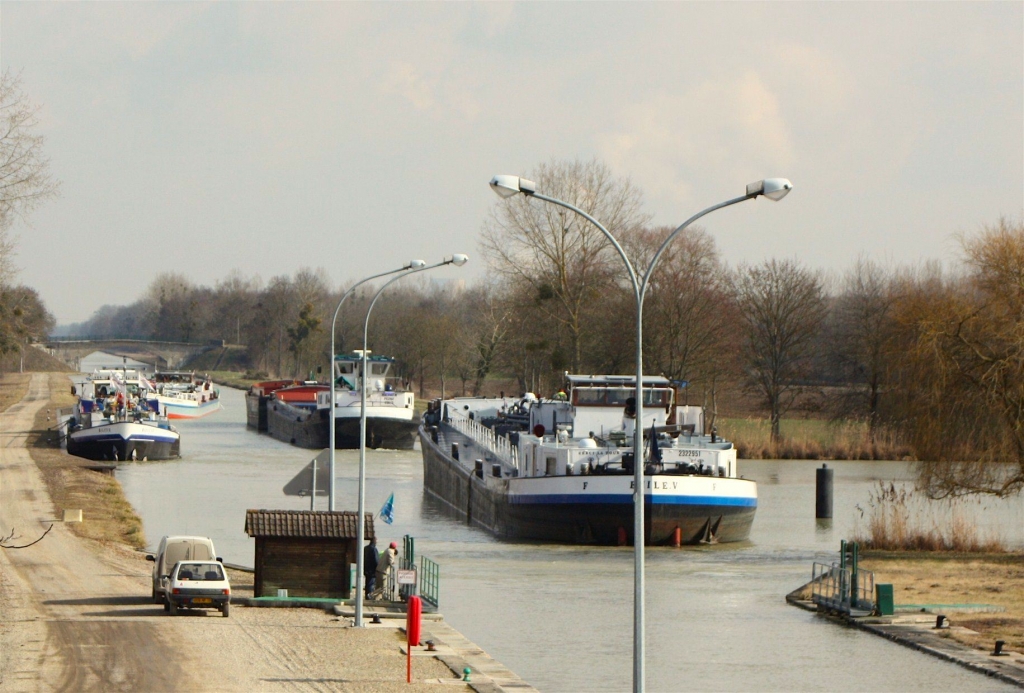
(458,260)
(773,189)
(413,264)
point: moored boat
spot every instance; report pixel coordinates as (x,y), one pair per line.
(294,417)
(300,414)
(116,418)
(390,420)
(566,475)
(184,395)
(256,400)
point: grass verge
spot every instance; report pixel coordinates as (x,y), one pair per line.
(13,387)
(107,514)
(810,439)
(240,381)
(960,578)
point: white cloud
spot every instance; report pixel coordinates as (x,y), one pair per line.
(725,130)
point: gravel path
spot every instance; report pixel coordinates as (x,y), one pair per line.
(75,614)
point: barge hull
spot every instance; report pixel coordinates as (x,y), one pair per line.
(116,448)
(256,411)
(469,498)
(390,434)
(307,428)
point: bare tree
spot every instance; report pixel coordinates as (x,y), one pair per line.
(863,332)
(25,179)
(23,318)
(961,375)
(685,324)
(560,256)
(25,182)
(782,306)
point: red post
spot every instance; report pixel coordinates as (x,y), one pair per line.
(413,614)
(677,537)
(622,536)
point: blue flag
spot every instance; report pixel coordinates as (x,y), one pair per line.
(387,511)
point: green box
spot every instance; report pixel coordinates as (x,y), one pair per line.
(884,603)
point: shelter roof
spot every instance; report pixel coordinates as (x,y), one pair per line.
(305,523)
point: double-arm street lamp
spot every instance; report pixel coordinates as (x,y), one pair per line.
(458,260)
(412,265)
(773,189)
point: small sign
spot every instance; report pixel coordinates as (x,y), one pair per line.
(302,484)
(406,577)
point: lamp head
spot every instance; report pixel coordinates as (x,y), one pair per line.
(416,264)
(507,186)
(458,259)
(772,188)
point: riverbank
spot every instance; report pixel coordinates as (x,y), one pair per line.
(939,580)
(75,612)
(978,597)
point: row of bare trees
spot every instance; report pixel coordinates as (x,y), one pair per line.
(25,183)
(934,356)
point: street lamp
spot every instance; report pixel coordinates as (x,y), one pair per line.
(458,260)
(772,188)
(413,264)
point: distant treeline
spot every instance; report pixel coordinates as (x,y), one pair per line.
(931,356)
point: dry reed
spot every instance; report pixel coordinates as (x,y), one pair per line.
(902,520)
(812,439)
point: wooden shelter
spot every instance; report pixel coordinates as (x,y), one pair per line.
(306,552)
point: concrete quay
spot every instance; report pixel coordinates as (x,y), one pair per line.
(917,631)
(456,651)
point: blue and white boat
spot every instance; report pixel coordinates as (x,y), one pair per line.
(184,395)
(117,418)
(562,470)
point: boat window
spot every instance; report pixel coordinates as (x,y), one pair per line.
(617,396)
(346,368)
(551,465)
(379,368)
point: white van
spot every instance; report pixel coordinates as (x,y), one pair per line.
(174,549)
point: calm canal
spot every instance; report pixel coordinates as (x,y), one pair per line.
(561,617)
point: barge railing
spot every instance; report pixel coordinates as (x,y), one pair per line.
(487,438)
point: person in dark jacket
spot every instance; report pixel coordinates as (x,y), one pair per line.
(369,567)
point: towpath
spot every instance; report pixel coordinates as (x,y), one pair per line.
(75,614)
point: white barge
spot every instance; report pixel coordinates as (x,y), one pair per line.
(562,470)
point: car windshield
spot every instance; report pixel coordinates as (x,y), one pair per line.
(200,571)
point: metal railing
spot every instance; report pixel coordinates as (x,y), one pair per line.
(487,438)
(842,589)
(430,581)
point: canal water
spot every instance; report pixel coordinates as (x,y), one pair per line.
(561,616)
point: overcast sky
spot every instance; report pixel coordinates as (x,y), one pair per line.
(203,138)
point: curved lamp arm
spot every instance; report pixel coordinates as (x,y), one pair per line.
(458,260)
(773,188)
(330,368)
(507,186)
(413,264)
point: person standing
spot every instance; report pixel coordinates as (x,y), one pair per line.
(369,567)
(387,560)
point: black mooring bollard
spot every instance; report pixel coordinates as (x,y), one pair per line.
(823,493)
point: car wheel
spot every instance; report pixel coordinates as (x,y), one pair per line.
(173,608)
(156,597)
(226,609)
(167,605)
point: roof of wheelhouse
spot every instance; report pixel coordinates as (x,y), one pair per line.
(617,380)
